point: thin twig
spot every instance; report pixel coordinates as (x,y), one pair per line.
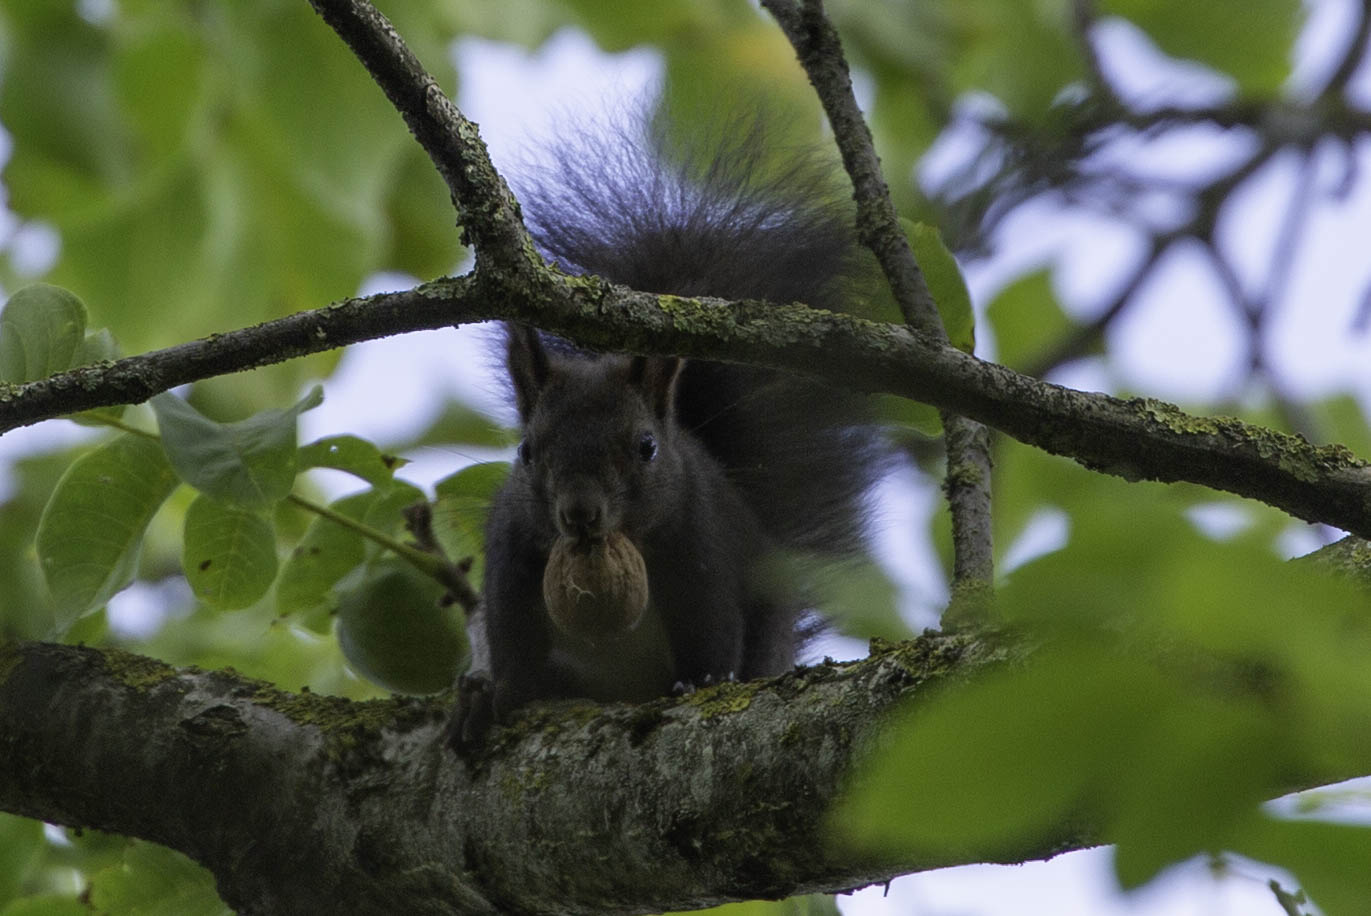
(1287,244)
(1287,407)
(1080,341)
(1083,19)
(1200,226)
(487,212)
(967,484)
(1289,902)
(1352,56)
(820,52)
(419,523)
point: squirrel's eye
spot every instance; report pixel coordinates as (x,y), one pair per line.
(647,447)
(525,452)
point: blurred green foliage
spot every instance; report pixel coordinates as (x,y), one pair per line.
(207,165)
(1181,684)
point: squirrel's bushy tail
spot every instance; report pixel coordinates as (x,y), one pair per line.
(731,217)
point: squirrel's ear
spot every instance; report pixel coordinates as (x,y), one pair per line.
(527,363)
(655,377)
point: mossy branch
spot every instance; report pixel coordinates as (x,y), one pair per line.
(1134,439)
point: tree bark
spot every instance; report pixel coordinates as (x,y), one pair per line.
(301,803)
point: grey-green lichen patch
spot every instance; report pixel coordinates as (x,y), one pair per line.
(1292,453)
(138,671)
(345,722)
(515,784)
(964,474)
(1172,418)
(936,655)
(723,699)
(91,377)
(546,719)
(692,317)
(1349,557)
(1296,456)
(972,605)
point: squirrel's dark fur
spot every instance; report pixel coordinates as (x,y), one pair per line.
(711,470)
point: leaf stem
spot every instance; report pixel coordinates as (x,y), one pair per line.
(119,424)
(426,563)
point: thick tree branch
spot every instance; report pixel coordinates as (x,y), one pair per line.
(301,803)
(304,804)
(281,796)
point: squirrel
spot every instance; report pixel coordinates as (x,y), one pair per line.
(703,474)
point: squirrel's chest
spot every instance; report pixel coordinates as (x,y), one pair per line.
(632,667)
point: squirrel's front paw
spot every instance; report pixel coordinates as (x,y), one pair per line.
(474,714)
(684,688)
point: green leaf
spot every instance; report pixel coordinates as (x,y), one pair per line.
(897,413)
(461,507)
(1007,759)
(230,553)
(91,529)
(856,596)
(811,905)
(26,606)
(90,630)
(251,462)
(1342,420)
(329,551)
(155,881)
(98,347)
(945,282)
(419,209)
(1203,769)
(42,328)
(395,631)
(1028,320)
(1023,53)
(386,513)
(618,27)
(517,22)
(1329,860)
(21,845)
(67,130)
(352,454)
(46,905)
(198,178)
(1251,41)
(1166,709)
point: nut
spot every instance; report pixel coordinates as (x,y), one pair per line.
(595,589)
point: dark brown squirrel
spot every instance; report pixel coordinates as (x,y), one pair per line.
(711,471)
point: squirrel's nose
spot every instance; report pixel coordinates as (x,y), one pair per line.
(581,516)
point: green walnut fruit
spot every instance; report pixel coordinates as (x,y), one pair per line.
(595,589)
(394,631)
